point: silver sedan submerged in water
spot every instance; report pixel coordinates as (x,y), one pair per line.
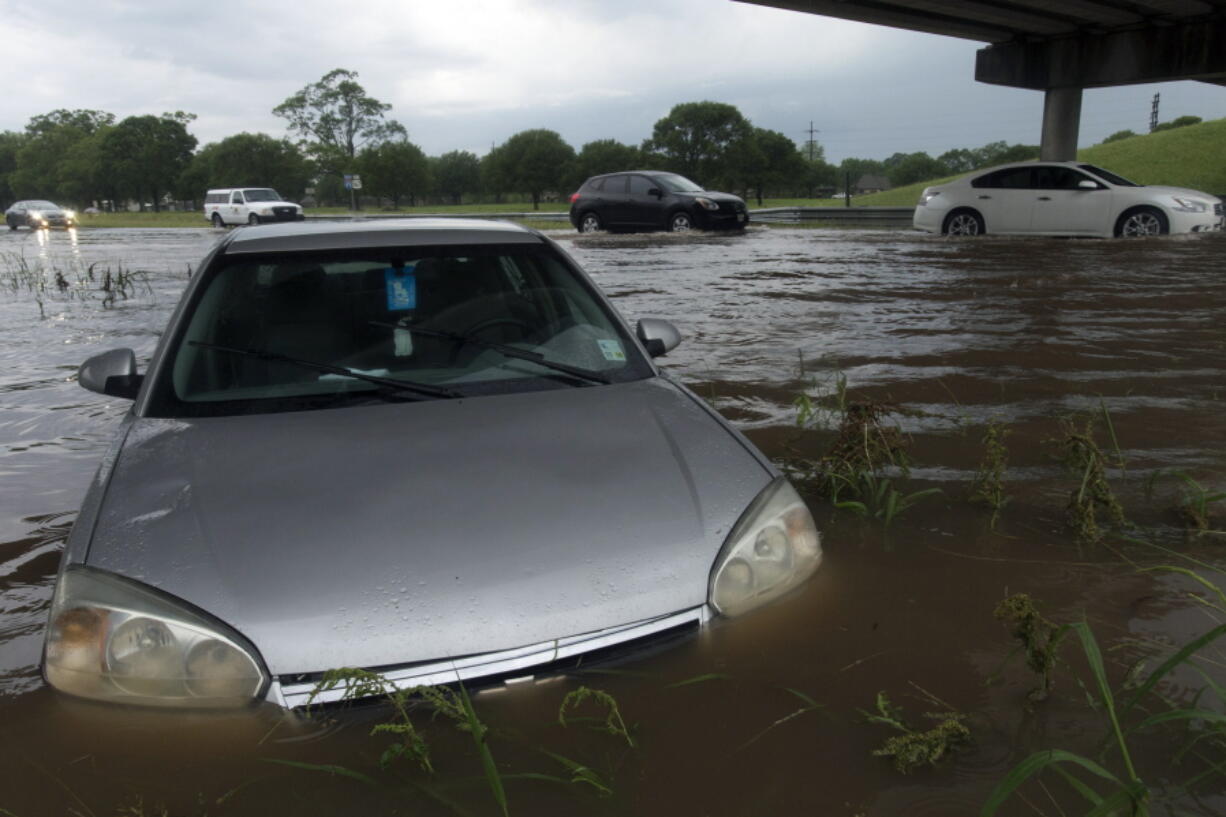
(429,449)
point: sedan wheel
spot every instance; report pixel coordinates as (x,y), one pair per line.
(680,223)
(1139,223)
(964,222)
(589,223)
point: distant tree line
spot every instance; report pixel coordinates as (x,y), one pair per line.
(86,156)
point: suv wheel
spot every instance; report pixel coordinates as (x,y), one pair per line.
(253,219)
(589,223)
(217,221)
(680,222)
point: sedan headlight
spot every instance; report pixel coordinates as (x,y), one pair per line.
(70,214)
(772,549)
(115,640)
(928,195)
(706,203)
(1189,205)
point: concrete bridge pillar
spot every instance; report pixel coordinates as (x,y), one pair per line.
(1061,124)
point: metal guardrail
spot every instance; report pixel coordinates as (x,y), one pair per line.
(878,216)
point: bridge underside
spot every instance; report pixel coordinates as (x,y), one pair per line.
(1060,46)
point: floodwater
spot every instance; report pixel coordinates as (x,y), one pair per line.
(954,334)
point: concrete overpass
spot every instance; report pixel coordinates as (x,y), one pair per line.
(1060,46)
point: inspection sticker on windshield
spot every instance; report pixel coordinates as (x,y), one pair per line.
(612,349)
(401,288)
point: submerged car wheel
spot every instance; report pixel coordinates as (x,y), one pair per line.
(589,223)
(963,222)
(12,224)
(1140,222)
(217,222)
(680,222)
(253,219)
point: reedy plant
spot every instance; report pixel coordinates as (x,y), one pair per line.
(914,749)
(988,486)
(1087,463)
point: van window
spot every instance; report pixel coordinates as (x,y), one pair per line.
(236,198)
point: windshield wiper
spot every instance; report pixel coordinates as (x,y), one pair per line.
(589,377)
(388,382)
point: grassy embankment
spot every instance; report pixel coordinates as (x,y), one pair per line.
(1194,156)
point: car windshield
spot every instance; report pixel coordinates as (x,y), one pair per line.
(261,194)
(301,331)
(1107,175)
(678,184)
(41,205)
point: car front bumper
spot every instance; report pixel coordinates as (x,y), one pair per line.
(721,219)
(1206,222)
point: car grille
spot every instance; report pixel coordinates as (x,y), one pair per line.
(1218,209)
(488,671)
(285,213)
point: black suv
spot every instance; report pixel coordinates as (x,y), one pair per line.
(652,200)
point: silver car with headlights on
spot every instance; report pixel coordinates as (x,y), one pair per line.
(428,448)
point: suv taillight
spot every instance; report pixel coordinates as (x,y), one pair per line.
(574,197)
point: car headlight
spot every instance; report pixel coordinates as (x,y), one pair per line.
(773,548)
(265,211)
(116,640)
(706,203)
(928,195)
(70,214)
(1189,205)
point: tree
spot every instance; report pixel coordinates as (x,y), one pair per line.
(455,174)
(959,160)
(394,169)
(1119,135)
(908,168)
(10,144)
(851,170)
(247,160)
(336,118)
(1178,122)
(770,160)
(85,120)
(49,139)
(604,156)
(531,161)
(697,139)
(148,153)
(1000,153)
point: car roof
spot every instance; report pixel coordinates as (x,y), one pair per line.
(344,235)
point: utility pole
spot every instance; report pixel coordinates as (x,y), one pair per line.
(812,143)
(1153,115)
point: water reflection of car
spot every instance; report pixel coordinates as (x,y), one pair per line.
(38,214)
(1062,198)
(651,200)
(431,448)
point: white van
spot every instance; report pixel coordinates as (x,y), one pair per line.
(248,205)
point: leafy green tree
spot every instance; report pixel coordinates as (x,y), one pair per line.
(1178,122)
(698,139)
(604,156)
(10,143)
(908,168)
(83,175)
(1119,135)
(336,118)
(51,137)
(1001,153)
(455,174)
(148,153)
(247,160)
(959,160)
(532,162)
(851,170)
(771,161)
(394,169)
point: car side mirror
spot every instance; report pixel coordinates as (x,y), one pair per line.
(1086,184)
(112,373)
(659,337)
(657,192)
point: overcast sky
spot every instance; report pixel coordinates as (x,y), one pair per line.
(465,74)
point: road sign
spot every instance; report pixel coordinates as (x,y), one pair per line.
(357,182)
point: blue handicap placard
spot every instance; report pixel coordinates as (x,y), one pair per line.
(401,288)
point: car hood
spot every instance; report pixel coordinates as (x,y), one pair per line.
(386,534)
(713,195)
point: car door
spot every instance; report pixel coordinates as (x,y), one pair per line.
(644,208)
(614,209)
(238,208)
(1062,206)
(1004,198)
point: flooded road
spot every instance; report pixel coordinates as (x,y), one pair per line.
(766,715)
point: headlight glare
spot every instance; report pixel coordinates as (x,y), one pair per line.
(115,640)
(1189,205)
(773,548)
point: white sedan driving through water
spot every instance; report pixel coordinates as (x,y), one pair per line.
(1062,198)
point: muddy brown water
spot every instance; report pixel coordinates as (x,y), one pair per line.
(956,333)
